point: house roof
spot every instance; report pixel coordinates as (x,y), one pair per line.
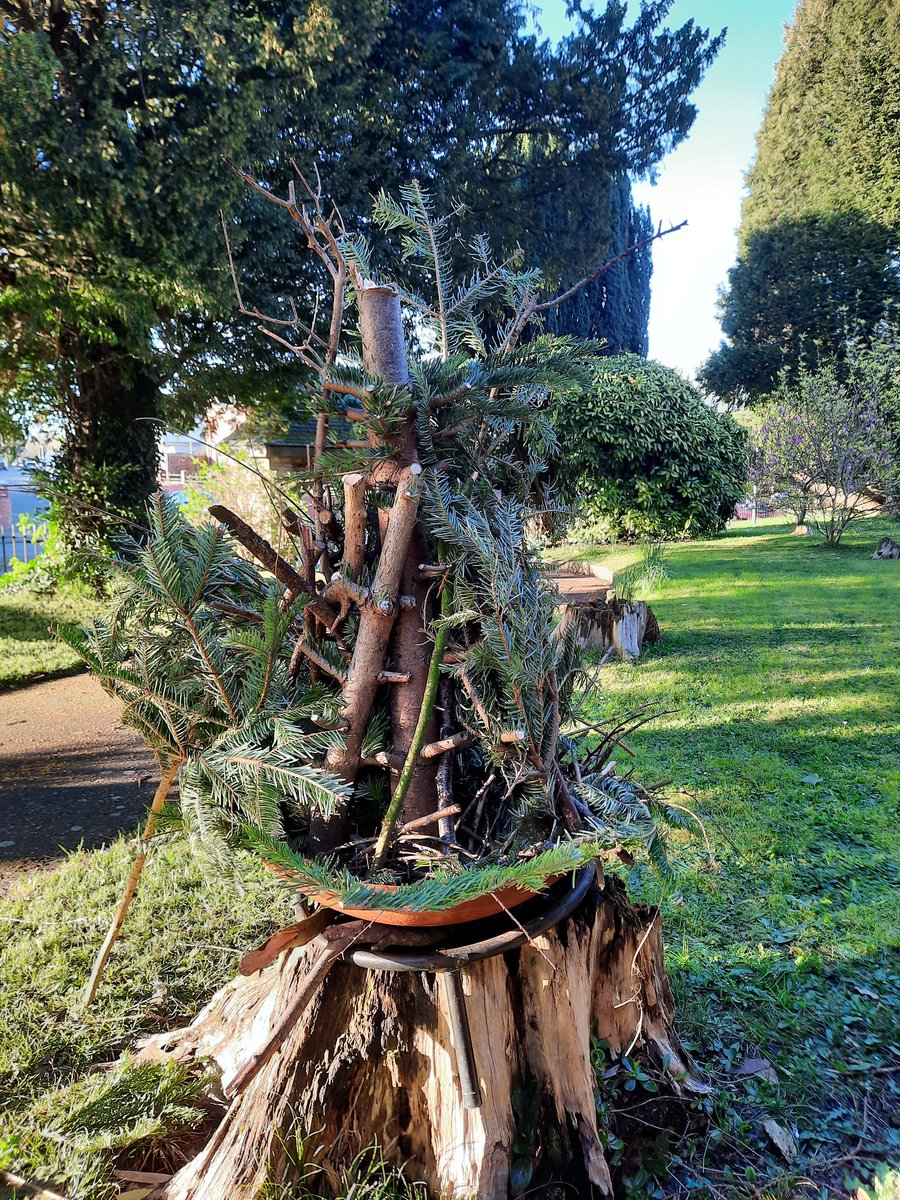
(302,432)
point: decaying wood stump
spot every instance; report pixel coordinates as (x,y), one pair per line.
(371,1058)
(600,623)
(887,548)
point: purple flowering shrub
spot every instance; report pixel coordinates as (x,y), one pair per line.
(823,451)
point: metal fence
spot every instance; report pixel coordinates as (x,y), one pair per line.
(14,543)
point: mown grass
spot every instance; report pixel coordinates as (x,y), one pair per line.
(184,934)
(28,650)
(779,665)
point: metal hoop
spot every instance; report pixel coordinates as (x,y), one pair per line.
(447,962)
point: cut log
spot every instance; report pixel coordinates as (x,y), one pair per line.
(599,623)
(887,548)
(371,1058)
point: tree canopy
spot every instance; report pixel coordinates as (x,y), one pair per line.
(822,449)
(820,226)
(115,122)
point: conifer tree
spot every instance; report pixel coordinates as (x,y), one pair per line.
(820,226)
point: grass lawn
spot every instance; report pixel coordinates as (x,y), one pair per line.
(182,939)
(780,667)
(28,651)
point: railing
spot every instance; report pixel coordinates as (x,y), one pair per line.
(20,544)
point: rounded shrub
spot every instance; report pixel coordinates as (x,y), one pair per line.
(642,451)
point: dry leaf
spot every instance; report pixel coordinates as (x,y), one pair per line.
(867,992)
(783,1139)
(760,1067)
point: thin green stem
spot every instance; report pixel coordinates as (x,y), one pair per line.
(418,740)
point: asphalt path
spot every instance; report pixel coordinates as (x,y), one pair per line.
(70,773)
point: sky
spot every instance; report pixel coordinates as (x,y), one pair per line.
(703,179)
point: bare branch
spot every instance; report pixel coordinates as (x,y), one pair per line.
(594,275)
(303,352)
(450,397)
(261,550)
(530,305)
(354,523)
(455,741)
(303,649)
(393,676)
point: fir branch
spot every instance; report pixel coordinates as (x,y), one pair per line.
(443,889)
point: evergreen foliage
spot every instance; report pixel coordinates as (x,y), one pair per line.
(146,1103)
(615,309)
(116,307)
(645,453)
(820,227)
(255,693)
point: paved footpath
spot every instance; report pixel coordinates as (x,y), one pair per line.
(70,773)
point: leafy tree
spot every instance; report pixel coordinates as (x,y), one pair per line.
(822,450)
(820,227)
(114,123)
(646,453)
(116,307)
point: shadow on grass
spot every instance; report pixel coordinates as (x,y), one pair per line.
(26,623)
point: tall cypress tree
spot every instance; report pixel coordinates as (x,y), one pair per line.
(820,227)
(615,308)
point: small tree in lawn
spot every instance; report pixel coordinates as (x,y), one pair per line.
(388,718)
(823,450)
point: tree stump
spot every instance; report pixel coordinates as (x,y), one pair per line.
(887,548)
(600,623)
(372,1059)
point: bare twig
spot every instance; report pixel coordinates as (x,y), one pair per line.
(421,822)
(261,550)
(531,306)
(167,778)
(454,741)
(33,1189)
(318,660)
(594,275)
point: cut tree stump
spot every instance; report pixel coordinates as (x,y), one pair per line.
(887,548)
(371,1059)
(600,623)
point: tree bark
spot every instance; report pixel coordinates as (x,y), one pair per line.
(372,1058)
(110,457)
(600,623)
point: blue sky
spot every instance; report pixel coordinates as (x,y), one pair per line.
(703,180)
